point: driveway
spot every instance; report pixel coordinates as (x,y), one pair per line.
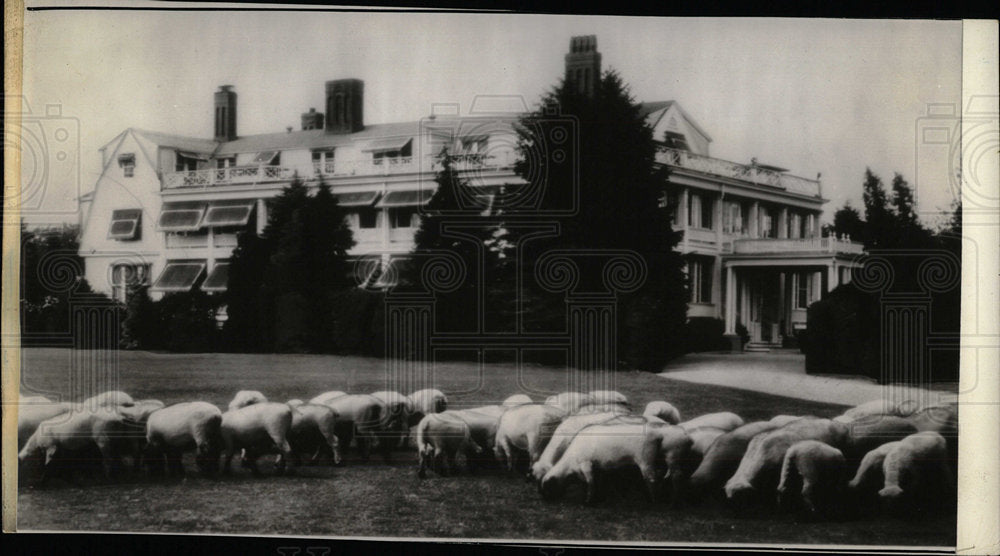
(783,373)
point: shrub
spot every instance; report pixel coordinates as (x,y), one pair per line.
(705,334)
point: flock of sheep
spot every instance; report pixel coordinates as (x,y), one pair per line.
(898,453)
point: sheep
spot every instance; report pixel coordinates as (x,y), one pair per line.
(663,410)
(313,432)
(869,476)
(441,436)
(570,401)
(724,455)
(136,416)
(702,439)
(867,433)
(295,402)
(257,428)
(615,446)
(78,431)
(904,408)
(425,402)
(942,419)
(396,427)
(326,397)
(916,471)
(526,428)
(31,415)
(608,397)
(361,417)
(182,427)
(516,400)
(563,436)
(725,420)
(482,423)
(760,467)
(782,420)
(820,468)
(602,408)
(108,399)
(244,398)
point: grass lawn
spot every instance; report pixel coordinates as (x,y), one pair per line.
(387,499)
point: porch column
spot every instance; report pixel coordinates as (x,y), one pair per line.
(833,279)
(261,216)
(783,223)
(211,249)
(754,219)
(682,217)
(730,306)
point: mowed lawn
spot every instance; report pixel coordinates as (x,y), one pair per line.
(388,499)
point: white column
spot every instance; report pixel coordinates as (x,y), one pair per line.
(211,248)
(755,219)
(682,216)
(730,300)
(718,220)
(833,279)
(783,223)
(261,216)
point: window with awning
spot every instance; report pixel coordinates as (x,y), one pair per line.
(390,144)
(266,158)
(193,155)
(179,276)
(180,218)
(125,224)
(417,197)
(228,214)
(357,199)
(218,279)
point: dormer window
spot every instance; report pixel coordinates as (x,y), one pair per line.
(127,163)
(268,158)
(187,162)
(674,140)
(391,151)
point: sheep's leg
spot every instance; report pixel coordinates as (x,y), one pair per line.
(649,477)
(809,494)
(174,463)
(424,456)
(452,464)
(587,472)
(502,451)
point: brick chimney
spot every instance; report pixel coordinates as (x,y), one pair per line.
(225,113)
(583,64)
(312,119)
(345,105)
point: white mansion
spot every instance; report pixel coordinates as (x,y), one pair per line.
(166,208)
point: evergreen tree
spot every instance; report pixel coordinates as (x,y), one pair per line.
(245,324)
(847,222)
(877,214)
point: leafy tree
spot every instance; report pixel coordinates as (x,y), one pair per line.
(245,324)
(847,222)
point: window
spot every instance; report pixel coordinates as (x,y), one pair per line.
(219,215)
(402,217)
(700,280)
(125,224)
(674,140)
(180,218)
(322,160)
(802,292)
(393,155)
(694,210)
(179,276)
(268,158)
(218,279)
(228,162)
(127,163)
(367,218)
(732,215)
(474,145)
(124,276)
(768,224)
(185,164)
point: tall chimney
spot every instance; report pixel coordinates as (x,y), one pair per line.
(345,105)
(225,113)
(583,64)
(312,119)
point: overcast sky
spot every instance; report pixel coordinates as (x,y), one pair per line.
(830,96)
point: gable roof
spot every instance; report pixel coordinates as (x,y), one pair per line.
(180,142)
(653,111)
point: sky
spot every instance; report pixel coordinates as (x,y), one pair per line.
(811,95)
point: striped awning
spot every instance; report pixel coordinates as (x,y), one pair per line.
(357,199)
(124,223)
(180,217)
(228,214)
(391,144)
(218,279)
(179,276)
(415,197)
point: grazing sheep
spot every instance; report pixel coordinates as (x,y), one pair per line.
(942,419)
(869,476)
(570,401)
(326,397)
(725,420)
(184,427)
(663,410)
(76,432)
(396,426)
(295,402)
(516,400)
(820,469)
(603,408)
(868,433)
(782,420)
(878,407)
(425,402)
(257,429)
(608,397)
(136,416)
(760,467)
(526,428)
(441,436)
(724,455)
(563,436)
(244,398)
(32,415)
(108,399)
(917,472)
(361,417)
(702,439)
(615,446)
(313,433)
(482,423)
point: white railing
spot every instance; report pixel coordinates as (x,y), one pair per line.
(226,176)
(746,172)
(181,241)
(816,244)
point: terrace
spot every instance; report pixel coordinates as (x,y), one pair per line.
(752,173)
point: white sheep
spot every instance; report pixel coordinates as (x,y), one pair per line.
(526,428)
(570,402)
(663,410)
(183,427)
(563,436)
(440,436)
(256,429)
(821,471)
(244,398)
(725,420)
(516,400)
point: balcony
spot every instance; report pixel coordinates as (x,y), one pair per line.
(745,172)
(247,175)
(807,245)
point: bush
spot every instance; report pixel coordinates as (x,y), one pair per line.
(183,322)
(353,314)
(705,334)
(842,334)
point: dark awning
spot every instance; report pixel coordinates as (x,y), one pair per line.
(179,276)
(265,157)
(414,197)
(218,279)
(392,144)
(357,199)
(228,214)
(194,155)
(124,223)
(180,217)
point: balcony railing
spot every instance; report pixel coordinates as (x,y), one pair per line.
(815,244)
(252,175)
(746,172)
